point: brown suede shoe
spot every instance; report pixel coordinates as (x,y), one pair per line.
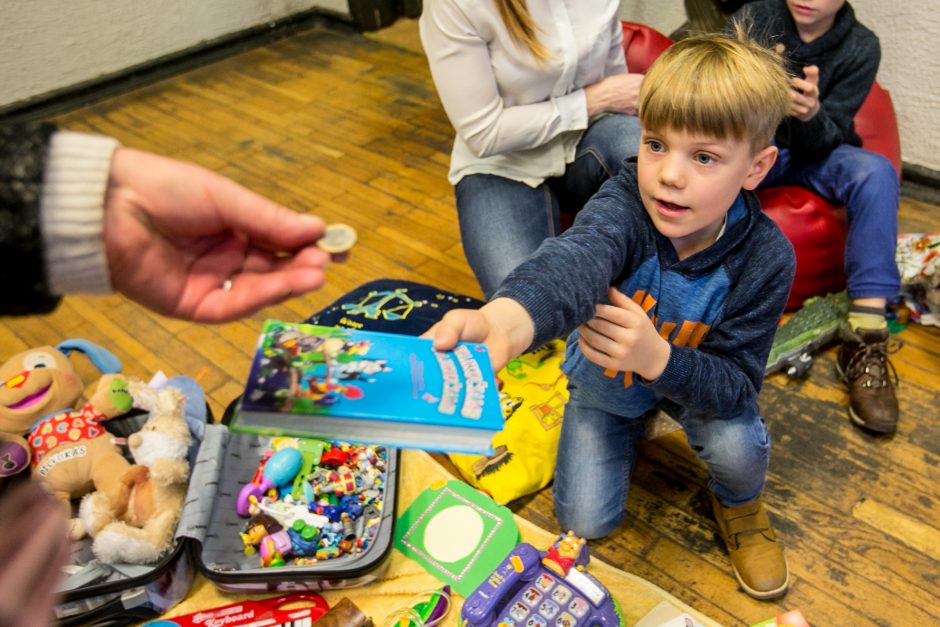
(864,366)
(756,556)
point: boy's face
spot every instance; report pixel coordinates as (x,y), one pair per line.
(689,181)
(814,17)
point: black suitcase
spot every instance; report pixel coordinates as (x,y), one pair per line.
(227,462)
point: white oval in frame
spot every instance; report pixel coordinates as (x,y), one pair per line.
(453,533)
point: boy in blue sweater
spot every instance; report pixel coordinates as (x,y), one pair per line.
(696,277)
(834,59)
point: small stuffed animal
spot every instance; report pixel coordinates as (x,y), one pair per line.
(67,448)
(145,530)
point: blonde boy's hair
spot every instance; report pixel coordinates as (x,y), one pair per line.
(718,85)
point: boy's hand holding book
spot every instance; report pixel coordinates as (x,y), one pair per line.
(502,324)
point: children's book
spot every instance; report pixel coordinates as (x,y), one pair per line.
(370,387)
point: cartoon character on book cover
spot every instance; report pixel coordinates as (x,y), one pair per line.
(305,369)
(300,372)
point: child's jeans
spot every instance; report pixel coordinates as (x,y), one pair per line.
(867,184)
(597,450)
(503,221)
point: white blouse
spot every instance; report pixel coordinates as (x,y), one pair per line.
(515,116)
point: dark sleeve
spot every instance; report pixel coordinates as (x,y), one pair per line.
(23,150)
(723,376)
(841,97)
(560,284)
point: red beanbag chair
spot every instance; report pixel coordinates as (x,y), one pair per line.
(642,45)
(817,230)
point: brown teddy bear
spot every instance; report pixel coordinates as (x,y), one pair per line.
(144,532)
(68,449)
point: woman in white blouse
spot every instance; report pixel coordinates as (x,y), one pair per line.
(545,112)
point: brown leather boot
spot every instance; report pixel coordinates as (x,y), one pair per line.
(756,556)
(864,366)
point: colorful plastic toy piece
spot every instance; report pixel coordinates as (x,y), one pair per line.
(279,470)
(809,329)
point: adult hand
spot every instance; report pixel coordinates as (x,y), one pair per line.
(804,98)
(189,243)
(34,547)
(502,324)
(621,337)
(615,94)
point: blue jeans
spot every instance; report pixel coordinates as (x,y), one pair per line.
(597,451)
(867,184)
(503,221)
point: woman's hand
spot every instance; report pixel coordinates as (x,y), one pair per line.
(615,94)
(192,244)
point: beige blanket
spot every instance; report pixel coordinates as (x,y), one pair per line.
(405,579)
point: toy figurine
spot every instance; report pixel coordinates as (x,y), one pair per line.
(256,529)
(279,470)
(567,551)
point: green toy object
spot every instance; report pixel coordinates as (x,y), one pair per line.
(457,534)
(809,329)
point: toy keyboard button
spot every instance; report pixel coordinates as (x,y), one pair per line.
(505,621)
(565,620)
(531,597)
(536,621)
(548,609)
(518,611)
(561,595)
(544,582)
(578,606)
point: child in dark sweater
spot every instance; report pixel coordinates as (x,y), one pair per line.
(696,277)
(834,59)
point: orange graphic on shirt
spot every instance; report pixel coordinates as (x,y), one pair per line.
(690,334)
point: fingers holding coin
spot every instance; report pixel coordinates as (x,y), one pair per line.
(338,240)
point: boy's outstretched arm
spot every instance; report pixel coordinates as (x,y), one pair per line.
(621,337)
(502,324)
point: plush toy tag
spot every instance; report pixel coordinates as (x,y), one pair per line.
(119,395)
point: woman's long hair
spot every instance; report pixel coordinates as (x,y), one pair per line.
(519,23)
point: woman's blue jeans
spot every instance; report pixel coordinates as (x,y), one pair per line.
(503,221)
(597,451)
(867,184)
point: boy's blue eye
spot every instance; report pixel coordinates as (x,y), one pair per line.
(655,146)
(704,159)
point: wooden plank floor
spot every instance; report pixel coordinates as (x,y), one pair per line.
(350,128)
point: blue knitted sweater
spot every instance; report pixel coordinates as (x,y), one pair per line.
(718,308)
(847,55)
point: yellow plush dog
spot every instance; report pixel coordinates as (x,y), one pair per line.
(66,448)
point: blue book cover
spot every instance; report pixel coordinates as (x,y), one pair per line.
(370,387)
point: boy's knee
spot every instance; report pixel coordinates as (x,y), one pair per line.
(867,166)
(586,524)
(736,443)
(588,516)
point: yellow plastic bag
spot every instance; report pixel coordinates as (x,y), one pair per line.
(534,392)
